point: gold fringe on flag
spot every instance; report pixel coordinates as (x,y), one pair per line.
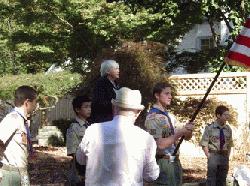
(236,63)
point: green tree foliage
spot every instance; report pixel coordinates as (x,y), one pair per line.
(233,13)
(38,36)
(195,62)
(176,17)
(8,62)
(52,31)
(35,34)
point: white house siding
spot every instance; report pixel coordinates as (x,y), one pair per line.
(190,41)
(224,33)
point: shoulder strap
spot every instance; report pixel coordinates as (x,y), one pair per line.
(158,111)
(7,143)
(10,138)
(30,148)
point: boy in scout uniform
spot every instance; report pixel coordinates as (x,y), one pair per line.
(162,126)
(216,143)
(15,143)
(82,108)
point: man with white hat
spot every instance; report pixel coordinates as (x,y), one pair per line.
(117,152)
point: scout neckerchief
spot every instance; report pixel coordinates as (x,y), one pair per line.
(158,111)
(86,124)
(222,137)
(30,148)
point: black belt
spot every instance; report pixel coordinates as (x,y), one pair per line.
(167,157)
(222,152)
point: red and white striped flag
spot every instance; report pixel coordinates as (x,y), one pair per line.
(239,53)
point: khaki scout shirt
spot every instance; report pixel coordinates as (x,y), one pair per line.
(16,152)
(211,137)
(75,134)
(159,127)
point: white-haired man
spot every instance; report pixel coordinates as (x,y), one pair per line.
(104,92)
(117,152)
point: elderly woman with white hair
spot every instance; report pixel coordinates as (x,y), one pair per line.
(104,92)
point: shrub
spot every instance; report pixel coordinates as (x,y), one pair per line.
(62,125)
(56,141)
(183,110)
(53,84)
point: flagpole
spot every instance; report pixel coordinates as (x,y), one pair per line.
(200,105)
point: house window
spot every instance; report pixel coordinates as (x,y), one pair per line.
(206,43)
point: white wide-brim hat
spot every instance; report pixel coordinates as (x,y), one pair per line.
(127,98)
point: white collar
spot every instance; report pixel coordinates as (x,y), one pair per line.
(20,110)
(80,121)
(124,119)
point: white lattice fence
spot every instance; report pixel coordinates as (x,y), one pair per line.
(233,87)
(196,84)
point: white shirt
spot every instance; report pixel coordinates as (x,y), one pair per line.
(118,154)
(16,152)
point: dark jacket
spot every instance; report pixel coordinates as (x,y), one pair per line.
(101,108)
